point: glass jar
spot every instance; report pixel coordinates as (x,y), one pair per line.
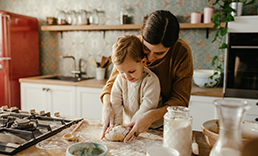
(61,17)
(102,19)
(231,113)
(82,17)
(178,130)
(71,17)
(123,15)
(95,17)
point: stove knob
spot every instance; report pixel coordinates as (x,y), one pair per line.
(42,112)
(57,114)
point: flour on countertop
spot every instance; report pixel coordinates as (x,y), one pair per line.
(91,131)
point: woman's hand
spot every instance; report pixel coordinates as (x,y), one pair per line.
(139,125)
(108,115)
(144,121)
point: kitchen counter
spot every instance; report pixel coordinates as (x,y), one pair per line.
(215,92)
(91,131)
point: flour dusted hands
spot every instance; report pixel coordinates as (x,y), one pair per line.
(139,125)
(108,115)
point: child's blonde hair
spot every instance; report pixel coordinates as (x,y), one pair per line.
(127,45)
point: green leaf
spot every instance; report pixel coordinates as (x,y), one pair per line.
(224,31)
(213,60)
(217,80)
(216,2)
(219,67)
(215,38)
(251,2)
(228,10)
(223,46)
(215,73)
(215,18)
(211,77)
(229,18)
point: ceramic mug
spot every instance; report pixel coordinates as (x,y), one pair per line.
(196,17)
(207,14)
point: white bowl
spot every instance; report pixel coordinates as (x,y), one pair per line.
(201,76)
(210,129)
(91,148)
(159,151)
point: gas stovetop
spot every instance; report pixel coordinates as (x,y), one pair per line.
(20,129)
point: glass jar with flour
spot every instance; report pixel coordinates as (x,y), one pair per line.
(178,130)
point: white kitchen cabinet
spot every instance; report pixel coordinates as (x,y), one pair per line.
(53,98)
(88,102)
(252,113)
(202,109)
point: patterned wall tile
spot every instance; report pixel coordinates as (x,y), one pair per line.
(86,45)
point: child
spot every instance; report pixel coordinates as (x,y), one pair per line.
(136,89)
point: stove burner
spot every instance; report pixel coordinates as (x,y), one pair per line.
(23,124)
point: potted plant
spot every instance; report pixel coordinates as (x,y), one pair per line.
(225,15)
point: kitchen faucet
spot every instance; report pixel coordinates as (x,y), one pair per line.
(74,71)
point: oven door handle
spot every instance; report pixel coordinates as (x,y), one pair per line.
(244,47)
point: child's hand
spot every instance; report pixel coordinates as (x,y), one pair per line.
(107,118)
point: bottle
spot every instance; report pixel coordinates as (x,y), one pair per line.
(61,17)
(123,15)
(95,17)
(102,19)
(231,113)
(178,130)
(82,17)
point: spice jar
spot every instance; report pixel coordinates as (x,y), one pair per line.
(178,130)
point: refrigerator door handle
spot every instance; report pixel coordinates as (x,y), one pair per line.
(1,66)
(5,58)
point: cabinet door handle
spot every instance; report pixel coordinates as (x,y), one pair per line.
(44,89)
(256,119)
(47,89)
(257,104)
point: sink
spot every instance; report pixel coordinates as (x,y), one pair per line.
(67,78)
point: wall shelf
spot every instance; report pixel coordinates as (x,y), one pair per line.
(62,28)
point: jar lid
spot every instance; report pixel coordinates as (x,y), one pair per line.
(178,112)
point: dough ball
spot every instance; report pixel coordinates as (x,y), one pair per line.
(116,134)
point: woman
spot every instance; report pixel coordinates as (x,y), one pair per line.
(170,58)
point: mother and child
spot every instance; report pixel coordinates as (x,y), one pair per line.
(151,72)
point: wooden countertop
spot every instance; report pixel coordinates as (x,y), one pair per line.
(91,130)
(94,83)
(86,83)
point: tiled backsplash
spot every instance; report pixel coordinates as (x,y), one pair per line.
(92,44)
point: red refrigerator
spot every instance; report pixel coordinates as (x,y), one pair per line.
(19,54)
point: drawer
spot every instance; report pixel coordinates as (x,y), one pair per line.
(254,105)
(252,118)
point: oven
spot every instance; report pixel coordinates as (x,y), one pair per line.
(242,66)
(241,59)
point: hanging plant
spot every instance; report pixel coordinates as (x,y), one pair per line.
(220,36)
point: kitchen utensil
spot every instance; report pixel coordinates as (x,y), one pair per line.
(231,113)
(109,61)
(70,136)
(103,61)
(158,151)
(87,148)
(195,148)
(93,62)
